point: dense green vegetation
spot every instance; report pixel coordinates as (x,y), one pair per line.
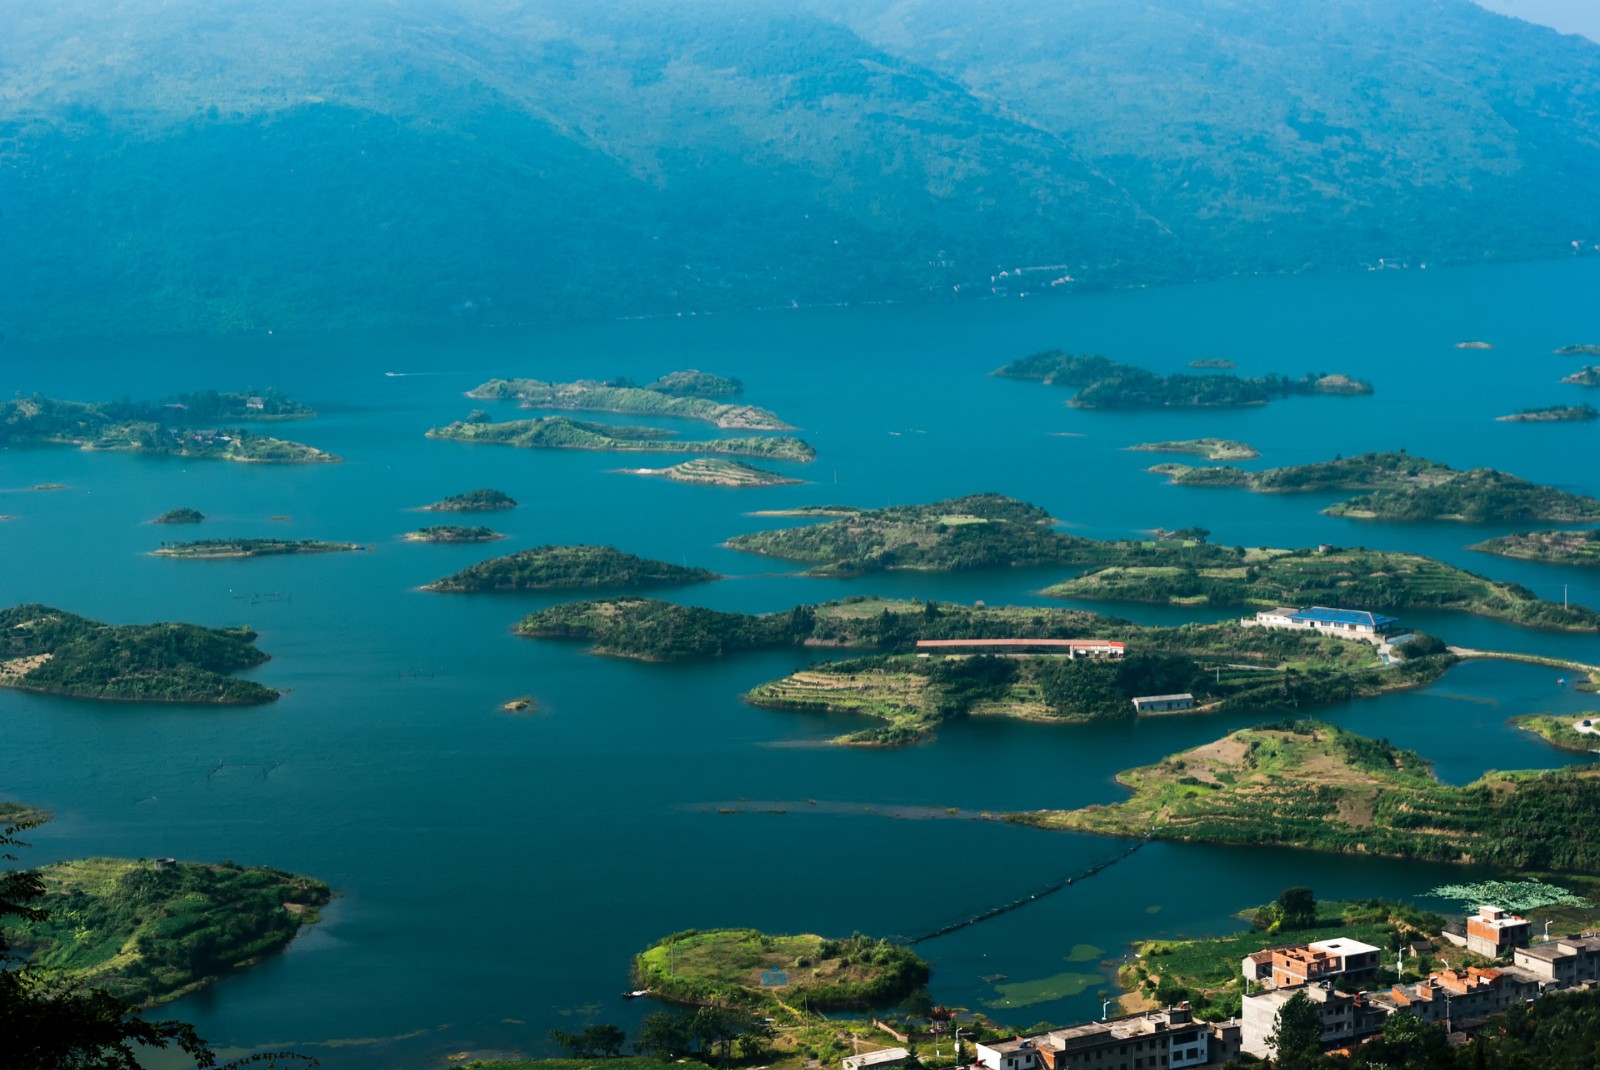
(1107,384)
(1351,579)
(724,966)
(1559,730)
(1403,487)
(1553,413)
(697,384)
(1307,784)
(1557,547)
(482,500)
(45,649)
(1212,449)
(217,548)
(717,472)
(682,399)
(558,432)
(149,935)
(452,533)
(160,430)
(976,531)
(180,516)
(546,567)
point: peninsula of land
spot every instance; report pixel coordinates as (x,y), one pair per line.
(1402,487)
(1589,376)
(716,472)
(452,533)
(140,427)
(685,395)
(558,432)
(1555,547)
(1107,384)
(49,650)
(1314,785)
(552,567)
(724,967)
(482,500)
(1565,731)
(1580,350)
(211,549)
(149,932)
(1212,449)
(1552,414)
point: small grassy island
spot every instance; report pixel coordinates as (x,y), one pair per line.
(143,427)
(729,966)
(1314,785)
(45,649)
(1552,414)
(180,516)
(1402,487)
(1580,350)
(551,567)
(483,500)
(149,932)
(1474,345)
(1556,547)
(1212,449)
(976,531)
(212,549)
(1564,731)
(716,472)
(1107,384)
(1213,363)
(687,395)
(1589,376)
(452,533)
(558,432)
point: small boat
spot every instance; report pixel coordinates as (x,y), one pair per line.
(636,993)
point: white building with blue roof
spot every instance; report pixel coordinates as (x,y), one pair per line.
(1343,623)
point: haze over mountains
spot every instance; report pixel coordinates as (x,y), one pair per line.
(211,165)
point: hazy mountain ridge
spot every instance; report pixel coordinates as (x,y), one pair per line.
(366,164)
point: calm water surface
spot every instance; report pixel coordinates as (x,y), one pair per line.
(497,871)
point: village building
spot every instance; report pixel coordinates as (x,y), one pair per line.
(1322,960)
(1344,623)
(1495,932)
(878,1060)
(1154,1040)
(1565,962)
(1163,703)
(1073,648)
(1449,996)
(1345,1017)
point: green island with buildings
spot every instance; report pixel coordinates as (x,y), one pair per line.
(1400,486)
(50,650)
(716,472)
(1314,785)
(180,516)
(147,427)
(482,500)
(452,533)
(150,931)
(553,567)
(686,395)
(1553,414)
(559,432)
(214,549)
(1580,547)
(1212,449)
(1103,383)
(1586,376)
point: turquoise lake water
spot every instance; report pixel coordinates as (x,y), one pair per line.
(497,871)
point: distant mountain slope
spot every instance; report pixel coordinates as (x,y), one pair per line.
(205,164)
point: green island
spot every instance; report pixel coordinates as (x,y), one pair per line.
(1589,376)
(149,932)
(49,650)
(1213,362)
(1552,414)
(1556,547)
(214,549)
(716,472)
(975,531)
(452,533)
(1318,786)
(1107,384)
(1579,350)
(180,516)
(558,432)
(482,500)
(725,967)
(1212,449)
(1474,345)
(551,567)
(1565,731)
(1400,486)
(142,428)
(681,394)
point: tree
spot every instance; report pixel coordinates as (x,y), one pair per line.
(1296,1039)
(1296,908)
(664,1035)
